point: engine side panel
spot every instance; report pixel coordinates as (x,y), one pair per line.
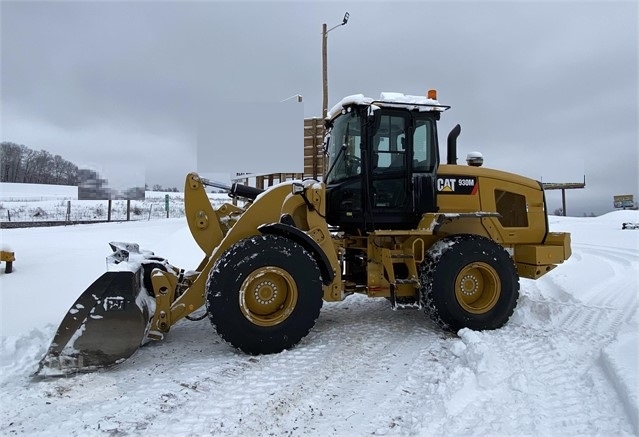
(518,200)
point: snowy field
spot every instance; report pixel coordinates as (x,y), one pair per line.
(565,365)
(39,202)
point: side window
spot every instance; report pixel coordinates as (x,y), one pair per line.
(389,144)
(422,153)
(512,208)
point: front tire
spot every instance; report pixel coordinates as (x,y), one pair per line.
(264,294)
(469,281)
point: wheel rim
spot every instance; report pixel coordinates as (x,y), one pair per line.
(477,288)
(268,296)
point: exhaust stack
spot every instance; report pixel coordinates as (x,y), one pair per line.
(452,145)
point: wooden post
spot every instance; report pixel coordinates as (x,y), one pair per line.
(563,200)
(128,209)
(109,210)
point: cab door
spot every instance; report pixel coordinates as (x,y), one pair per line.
(403,161)
(389,198)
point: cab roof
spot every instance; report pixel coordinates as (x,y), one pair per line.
(388,99)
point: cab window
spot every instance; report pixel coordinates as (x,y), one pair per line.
(389,144)
(423,149)
(344,152)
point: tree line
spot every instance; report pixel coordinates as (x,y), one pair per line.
(158,187)
(19,163)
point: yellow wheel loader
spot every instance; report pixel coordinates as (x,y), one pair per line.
(388,220)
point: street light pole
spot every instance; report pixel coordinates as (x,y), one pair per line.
(324,64)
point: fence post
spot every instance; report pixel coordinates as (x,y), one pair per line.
(150,208)
(68,210)
(109,210)
(128,209)
(166,204)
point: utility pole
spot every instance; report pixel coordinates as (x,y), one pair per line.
(324,64)
(324,73)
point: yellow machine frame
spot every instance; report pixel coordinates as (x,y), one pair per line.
(534,250)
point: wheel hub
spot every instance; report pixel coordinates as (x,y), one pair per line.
(470,285)
(265,292)
(477,288)
(268,296)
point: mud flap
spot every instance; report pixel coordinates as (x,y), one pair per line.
(105,325)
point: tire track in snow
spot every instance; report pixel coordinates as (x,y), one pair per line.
(618,252)
(594,323)
(609,301)
(389,357)
(418,402)
(614,291)
(359,363)
(358,351)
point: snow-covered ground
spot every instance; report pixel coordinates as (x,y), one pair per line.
(565,365)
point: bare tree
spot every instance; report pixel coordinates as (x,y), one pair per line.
(18,163)
(10,161)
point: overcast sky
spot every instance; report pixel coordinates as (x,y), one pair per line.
(546,89)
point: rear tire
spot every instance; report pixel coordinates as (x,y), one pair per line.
(469,281)
(264,294)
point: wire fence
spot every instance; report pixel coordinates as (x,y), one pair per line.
(96,210)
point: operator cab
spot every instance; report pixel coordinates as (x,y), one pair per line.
(382,159)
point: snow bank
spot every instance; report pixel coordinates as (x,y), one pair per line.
(20,354)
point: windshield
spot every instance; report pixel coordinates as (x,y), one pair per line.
(344,154)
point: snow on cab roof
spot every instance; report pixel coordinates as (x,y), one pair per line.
(421,103)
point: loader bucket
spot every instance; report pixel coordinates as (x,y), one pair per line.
(105,325)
